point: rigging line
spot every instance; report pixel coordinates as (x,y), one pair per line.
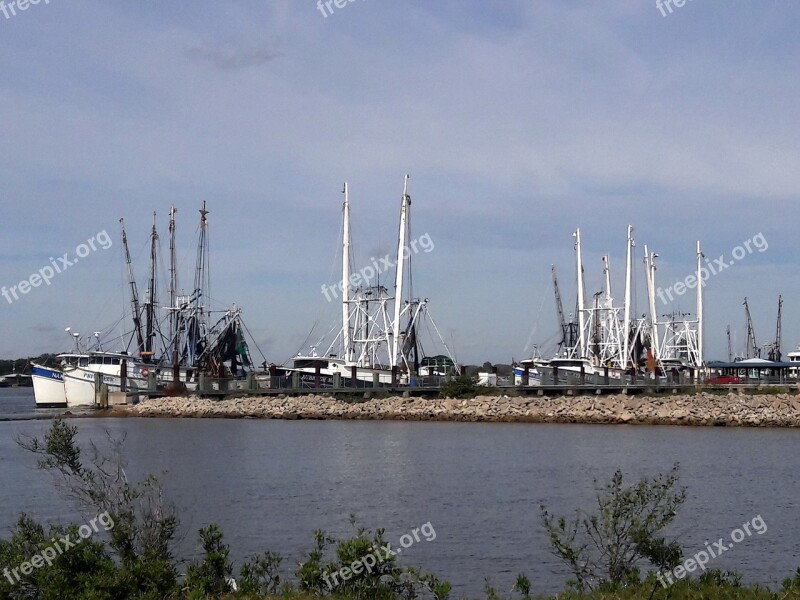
(255,343)
(124,289)
(336,256)
(408,241)
(305,341)
(428,322)
(536,322)
(444,343)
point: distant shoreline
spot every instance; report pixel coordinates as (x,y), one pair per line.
(702,409)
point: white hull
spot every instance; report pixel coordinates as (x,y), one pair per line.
(79,381)
(534,377)
(79,386)
(571,368)
(48,387)
(330,367)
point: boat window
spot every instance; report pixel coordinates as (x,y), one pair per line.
(95,360)
(310,364)
(84,362)
(114,361)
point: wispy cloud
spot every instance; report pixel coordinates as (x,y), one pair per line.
(228,57)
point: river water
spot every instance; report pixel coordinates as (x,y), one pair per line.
(270,484)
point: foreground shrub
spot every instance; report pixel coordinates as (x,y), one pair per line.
(606,548)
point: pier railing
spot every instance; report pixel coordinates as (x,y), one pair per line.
(541,381)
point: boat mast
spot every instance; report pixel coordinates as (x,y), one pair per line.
(200,277)
(650,265)
(173,288)
(777,355)
(609,315)
(398,285)
(346,276)
(562,321)
(151,293)
(201,266)
(700,341)
(730,347)
(581,301)
(626,327)
(751,334)
(137,321)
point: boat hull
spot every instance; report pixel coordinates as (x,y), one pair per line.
(79,386)
(328,368)
(534,377)
(48,387)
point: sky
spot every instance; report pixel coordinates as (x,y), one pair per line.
(517,121)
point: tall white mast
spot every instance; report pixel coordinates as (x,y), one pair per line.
(627,320)
(610,337)
(398,284)
(346,276)
(700,257)
(650,265)
(581,307)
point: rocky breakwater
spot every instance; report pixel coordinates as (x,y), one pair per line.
(702,409)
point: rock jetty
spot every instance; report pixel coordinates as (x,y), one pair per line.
(701,409)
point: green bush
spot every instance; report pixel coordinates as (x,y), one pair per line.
(460,387)
(604,550)
(211,577)
(362,566)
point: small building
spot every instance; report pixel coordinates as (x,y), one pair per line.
(794,358)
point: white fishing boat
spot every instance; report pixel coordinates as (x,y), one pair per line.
(172,360)
(16,380)
(534,376)
(378,338)
(609,340)
(48,387)
(111,368)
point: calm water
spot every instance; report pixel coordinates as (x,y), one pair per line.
(270,484)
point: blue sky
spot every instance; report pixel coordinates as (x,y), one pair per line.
(518,122)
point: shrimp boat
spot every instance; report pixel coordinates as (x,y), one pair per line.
(192,345)
(48,386)
(15,379)
(378,340)
(609,341)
